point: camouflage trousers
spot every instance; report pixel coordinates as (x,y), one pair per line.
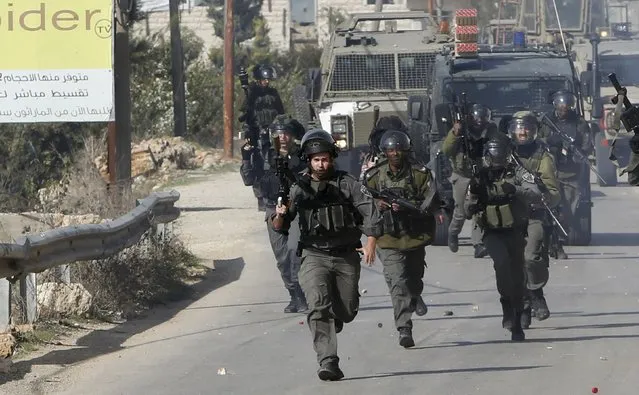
(460,188)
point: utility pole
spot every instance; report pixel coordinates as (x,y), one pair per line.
(122,95)
(177,71)
(229,41)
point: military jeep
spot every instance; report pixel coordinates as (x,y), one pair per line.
(366,71)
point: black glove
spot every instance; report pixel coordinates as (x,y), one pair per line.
(475,188)
(247,152)
(472,209)
(508,188)
(634,143)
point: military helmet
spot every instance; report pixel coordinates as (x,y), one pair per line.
(394,139)
(497,152)
(564,98)
(523,127)
(317,141)
(286,124)
(480,115)
(264,72)
(392,122)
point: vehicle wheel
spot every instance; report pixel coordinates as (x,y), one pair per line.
(606,169)
(581,232)
(442,220)
(301,106)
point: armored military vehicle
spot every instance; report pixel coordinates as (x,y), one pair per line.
(364,70)
(506,78)
(614,46)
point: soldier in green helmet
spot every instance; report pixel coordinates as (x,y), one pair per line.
(536,159)
(407,227)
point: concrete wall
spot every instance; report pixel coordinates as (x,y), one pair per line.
(277,14)
(194,18)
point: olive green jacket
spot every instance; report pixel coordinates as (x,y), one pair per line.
(454,148)
(543,164)
(422,192)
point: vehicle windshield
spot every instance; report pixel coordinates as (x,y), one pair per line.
(507,96)
(625,66)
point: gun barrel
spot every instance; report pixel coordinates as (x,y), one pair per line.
(615,83)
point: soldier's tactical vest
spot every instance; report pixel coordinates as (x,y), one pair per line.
(499,211)
(264,107)
(327,213)
(401,223)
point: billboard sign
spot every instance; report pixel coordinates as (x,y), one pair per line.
(57,61)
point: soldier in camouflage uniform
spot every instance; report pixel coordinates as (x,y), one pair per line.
(500,198)
(569,170)
(259,109)
(537,160)
(333,213)
(454,147)
(406,231)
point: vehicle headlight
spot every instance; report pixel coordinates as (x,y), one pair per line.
(340,130)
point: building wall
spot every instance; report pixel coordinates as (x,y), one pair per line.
(277,14)
(195,19)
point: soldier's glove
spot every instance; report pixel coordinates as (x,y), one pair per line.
(472,209)
(634,143)
(247,152)
(475,188)
(508,188)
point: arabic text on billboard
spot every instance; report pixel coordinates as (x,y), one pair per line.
(56,63)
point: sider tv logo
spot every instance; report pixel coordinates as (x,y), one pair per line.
(43,17)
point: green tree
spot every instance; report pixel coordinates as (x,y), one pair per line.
(246,12)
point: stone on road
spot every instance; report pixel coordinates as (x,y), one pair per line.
(235,339)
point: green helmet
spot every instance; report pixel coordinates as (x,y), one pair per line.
(523,127)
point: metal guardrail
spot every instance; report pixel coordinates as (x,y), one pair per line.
(35,253)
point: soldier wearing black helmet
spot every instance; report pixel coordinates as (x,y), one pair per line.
(374,153)
(499,199)
(569,170)
(261,105)
(455,147)
(288,131)
(406,231)
(536,159)
(333,213)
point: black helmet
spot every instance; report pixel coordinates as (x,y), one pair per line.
(564,99)
(523,120)
(394,139)
(392,122)
(497,152)
(316,141)
(264,72)
(480,115)
(286,124)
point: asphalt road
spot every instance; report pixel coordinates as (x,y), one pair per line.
(237,327)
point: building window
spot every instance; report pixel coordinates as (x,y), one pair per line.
(372,2)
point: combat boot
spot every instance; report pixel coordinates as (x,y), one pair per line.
(517,332)
(508,314)
(453,242)
(406,337)
(480,251)
(302,306)
(292,305)
(260,205)
(330,371)
(561,254)
(539,305)
(420,306)
(339,325)
(526,317)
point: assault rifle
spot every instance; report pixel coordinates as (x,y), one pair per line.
(284,174)
(578,154)
(461,115)
(542,187)
(391,197)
